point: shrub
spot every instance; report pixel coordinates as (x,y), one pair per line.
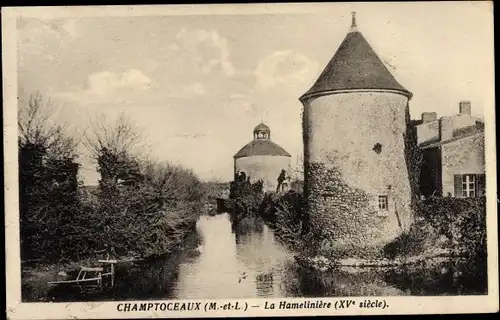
(48,182)
(461,220)
(245,198)
(286,215)
(420,237)
(150,217)
(140,208)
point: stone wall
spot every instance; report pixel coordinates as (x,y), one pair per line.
(354,152)
(347,216)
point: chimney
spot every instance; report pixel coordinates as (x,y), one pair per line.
(429,117)
(464,107)
(446,128)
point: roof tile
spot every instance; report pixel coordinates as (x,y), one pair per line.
(262,147)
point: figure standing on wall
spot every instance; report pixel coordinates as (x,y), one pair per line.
(243,176)
(286,183)
(281,178)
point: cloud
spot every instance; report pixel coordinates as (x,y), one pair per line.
(284,67)
(107,82)
(44,41)
(194,89)
(37,39)
(206,50)
(38,31)
(242,96)
(70,27)
(190,135)
(107,85)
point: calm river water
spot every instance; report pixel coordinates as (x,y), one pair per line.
(246,261)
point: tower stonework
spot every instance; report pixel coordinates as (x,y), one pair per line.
(355,119)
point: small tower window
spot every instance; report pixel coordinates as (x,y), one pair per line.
(377,148)
(383,203)
(262,131)
(261,135)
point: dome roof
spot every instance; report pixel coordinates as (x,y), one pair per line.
(261,127)
(261,148)
(355,65)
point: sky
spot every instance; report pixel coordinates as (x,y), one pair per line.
(196,85)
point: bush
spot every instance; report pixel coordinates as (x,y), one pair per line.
(150,217)
(140,208)
(419,238)
(245,198)
(286,215)
(461,220)
(48,182)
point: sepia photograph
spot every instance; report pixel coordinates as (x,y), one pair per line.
(249,159)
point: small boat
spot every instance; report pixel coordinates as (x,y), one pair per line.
(91,278)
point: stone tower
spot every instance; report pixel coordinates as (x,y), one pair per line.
(262,159)
(355,118)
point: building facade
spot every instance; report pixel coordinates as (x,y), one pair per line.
(263,160)
(355,118)
(453,154)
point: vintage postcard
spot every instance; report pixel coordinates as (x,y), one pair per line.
(247,160)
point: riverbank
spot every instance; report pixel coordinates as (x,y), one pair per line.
(248,261)
(446,231)
(322,263)
(36,275)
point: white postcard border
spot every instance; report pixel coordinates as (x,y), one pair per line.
(92,310)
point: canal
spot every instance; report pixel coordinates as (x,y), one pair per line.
(222,260)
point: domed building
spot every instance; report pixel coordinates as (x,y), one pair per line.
(262,159)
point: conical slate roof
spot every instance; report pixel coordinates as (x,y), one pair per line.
(261,147)
(355,65)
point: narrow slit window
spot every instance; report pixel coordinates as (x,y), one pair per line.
(383,203)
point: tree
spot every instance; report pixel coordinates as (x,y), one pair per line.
(114,148)
(48,178)
(38,128)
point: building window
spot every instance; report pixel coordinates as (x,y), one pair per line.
(383,203)
(468,186)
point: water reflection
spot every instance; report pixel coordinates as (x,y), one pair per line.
(311,283)
(244,260)
(265,284)
(457,277)
(239,260)
(261,255)
(217,271)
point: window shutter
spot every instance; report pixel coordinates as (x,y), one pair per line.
(480,185)
(376,203)
(458,186)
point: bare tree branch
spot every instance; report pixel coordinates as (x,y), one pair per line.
(37,126)
(119,137)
